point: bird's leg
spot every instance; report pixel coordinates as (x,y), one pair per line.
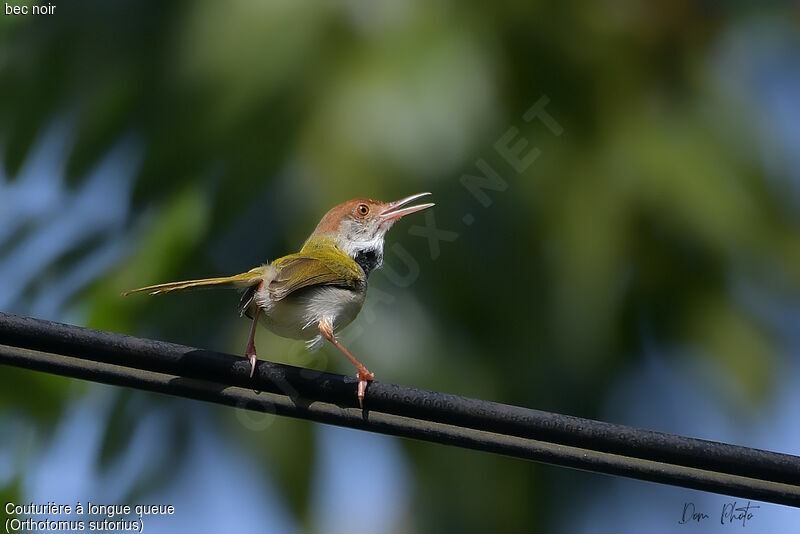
(363,376)
(250,350)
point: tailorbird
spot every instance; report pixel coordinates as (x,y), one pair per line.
(310,294)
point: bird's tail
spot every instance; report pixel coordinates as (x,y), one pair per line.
(250,278)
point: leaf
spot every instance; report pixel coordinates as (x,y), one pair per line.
(169,240)
(742,351)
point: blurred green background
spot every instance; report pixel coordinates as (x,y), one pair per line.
(644,268)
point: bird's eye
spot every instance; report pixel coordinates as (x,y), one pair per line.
(363,210)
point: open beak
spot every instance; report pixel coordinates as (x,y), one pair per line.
(398,209)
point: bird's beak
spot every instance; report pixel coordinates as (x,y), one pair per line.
(398,209)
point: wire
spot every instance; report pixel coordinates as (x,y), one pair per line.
(401,411)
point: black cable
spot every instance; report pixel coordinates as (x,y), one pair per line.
(401,411)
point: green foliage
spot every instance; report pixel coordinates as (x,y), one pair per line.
(163,248)
(48,395)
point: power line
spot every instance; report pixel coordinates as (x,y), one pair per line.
(401,411)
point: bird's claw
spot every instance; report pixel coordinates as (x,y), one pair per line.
(253,359)
(363,378)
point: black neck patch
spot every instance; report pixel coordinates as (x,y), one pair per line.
(368,260)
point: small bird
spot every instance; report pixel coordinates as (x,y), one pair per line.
(310,294)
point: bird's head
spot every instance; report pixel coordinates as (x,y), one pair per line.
(359,226)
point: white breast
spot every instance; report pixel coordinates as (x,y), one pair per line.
(298,315)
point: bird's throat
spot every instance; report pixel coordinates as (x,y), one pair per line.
(369,259)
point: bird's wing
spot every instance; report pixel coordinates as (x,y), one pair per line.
(313,268)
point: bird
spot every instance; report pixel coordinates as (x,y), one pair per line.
(312,294)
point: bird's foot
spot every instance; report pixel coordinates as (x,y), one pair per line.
(250,349)
(363,376)
(250,354)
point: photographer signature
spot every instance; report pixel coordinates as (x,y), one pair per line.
(729,514)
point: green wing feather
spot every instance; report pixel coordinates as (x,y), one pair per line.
(317,264)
